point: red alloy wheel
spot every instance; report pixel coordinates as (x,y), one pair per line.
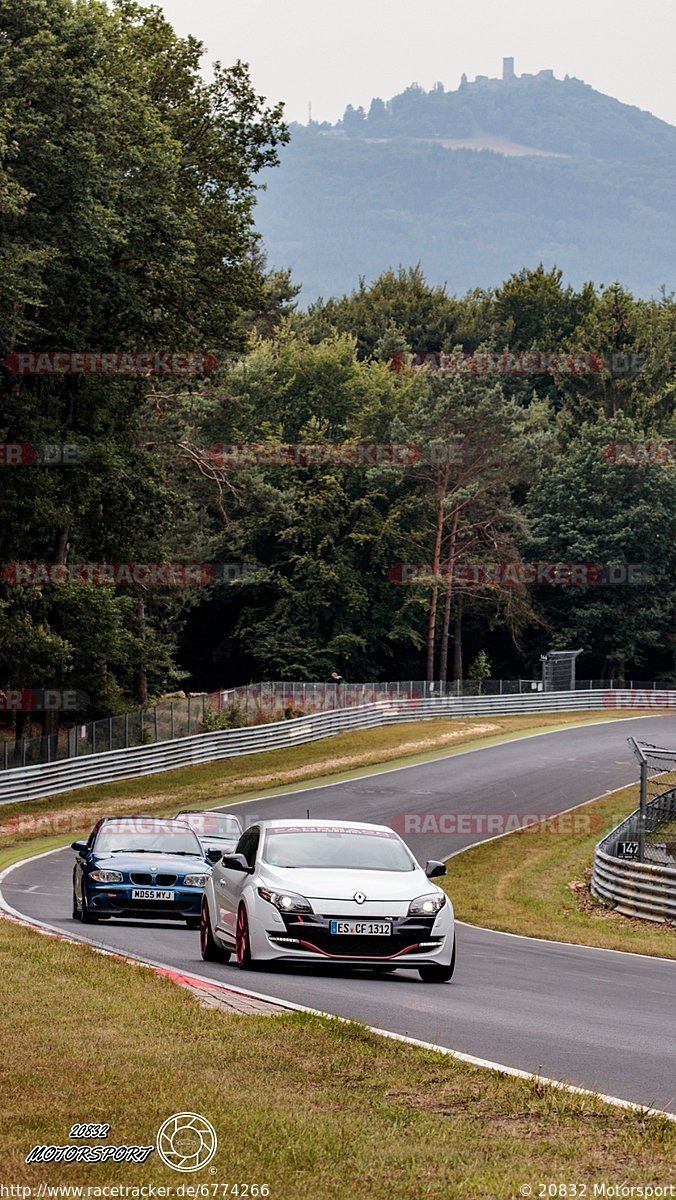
(243,947)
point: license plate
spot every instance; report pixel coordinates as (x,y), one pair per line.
(366,928)
(150,894)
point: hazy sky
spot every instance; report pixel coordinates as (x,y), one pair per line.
(340,53)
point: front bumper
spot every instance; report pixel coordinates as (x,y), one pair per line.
(115,900)
(413,941)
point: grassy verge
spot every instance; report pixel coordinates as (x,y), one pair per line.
(305,1105)
(537,883)
(270,773)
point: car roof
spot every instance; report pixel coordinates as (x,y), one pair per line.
(203,812)
(321,823)
(142,817)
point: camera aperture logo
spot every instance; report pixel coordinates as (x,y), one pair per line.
(186,1142)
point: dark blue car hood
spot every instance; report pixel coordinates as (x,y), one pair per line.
(169,863)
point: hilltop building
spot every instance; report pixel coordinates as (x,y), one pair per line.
(508,76)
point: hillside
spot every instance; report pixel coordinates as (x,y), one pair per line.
(568,176)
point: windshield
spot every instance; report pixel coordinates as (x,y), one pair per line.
(342,848)
(213,825)
(160,841)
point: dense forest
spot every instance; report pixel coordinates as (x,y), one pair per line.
(128,228)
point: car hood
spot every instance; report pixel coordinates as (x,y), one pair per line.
(323,884)
(164,863)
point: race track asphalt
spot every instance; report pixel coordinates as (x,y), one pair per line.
(595,1018)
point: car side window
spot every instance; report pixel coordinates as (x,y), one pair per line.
(248,844)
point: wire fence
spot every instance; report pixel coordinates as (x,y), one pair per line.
(655,821)
(635,864)
(252,704)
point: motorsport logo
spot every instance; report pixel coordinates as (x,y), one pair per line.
(185,1142)
(86,1151)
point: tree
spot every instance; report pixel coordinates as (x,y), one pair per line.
(593,510)
(129,188)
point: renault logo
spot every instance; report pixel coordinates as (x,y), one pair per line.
(359,897)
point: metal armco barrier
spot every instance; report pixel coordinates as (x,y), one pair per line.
(637,889)
(29,783)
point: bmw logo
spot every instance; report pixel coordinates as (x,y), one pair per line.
(359,897)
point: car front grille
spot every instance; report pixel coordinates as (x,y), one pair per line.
(408,934)
(145,878)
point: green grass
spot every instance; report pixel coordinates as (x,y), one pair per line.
(312,1107)
(537,883)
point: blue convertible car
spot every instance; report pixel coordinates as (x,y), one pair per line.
(142,867)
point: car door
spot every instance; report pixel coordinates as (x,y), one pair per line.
(229,884)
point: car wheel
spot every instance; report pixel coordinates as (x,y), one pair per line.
(76,911)
(86,916)
(194,922)
(435,973)
(244,959)
(211,952)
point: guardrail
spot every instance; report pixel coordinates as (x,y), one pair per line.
(637,889)
(29,783)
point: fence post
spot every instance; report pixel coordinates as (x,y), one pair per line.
(189,714)
(126,730)
(155,716)
(110,733)
(171,716)
(93,737)
(141,725)
(642,810)
(5,754)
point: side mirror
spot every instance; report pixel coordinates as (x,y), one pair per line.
(235,862)
(79,847)
(214,855)
(434,868)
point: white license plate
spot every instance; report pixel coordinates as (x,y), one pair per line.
(367,928)
(150,894)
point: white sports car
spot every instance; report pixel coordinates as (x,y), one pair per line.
(340,892)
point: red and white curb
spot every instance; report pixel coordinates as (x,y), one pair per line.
(273,1004)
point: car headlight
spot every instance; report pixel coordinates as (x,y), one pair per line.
(427,906)
(196,880)
(106,876)
(289,902)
